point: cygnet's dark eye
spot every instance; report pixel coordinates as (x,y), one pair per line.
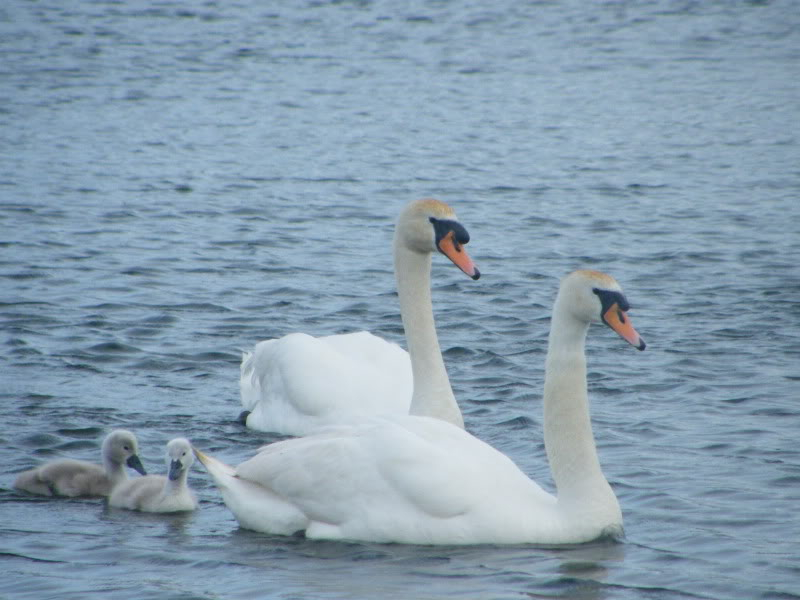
(126,448)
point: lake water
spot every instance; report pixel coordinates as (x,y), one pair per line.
(180,180)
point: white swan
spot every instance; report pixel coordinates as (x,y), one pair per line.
(424,481)
(297,383)
(156,493)
(68,477)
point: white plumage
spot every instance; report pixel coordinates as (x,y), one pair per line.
(298,383)
(157,493)
(422,480)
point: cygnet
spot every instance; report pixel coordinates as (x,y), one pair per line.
(156,493)
(68,477)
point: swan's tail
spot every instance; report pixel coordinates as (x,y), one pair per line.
(247,363)
(251,502)
(219,471)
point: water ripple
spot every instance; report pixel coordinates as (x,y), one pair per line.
(182,182)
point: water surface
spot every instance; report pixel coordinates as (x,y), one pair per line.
(180,181)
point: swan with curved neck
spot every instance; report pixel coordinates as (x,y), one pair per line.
(425,481)
(297,383)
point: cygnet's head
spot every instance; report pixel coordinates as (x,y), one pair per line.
(595,297)
(179,457)
(120,447)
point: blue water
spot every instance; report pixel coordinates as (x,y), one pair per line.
(180,180)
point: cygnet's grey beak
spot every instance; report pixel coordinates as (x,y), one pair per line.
(175,470)
(134,463)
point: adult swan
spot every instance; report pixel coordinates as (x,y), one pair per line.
(297,383)
(423,481)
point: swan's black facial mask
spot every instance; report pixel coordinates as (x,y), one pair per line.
(608,299)
(613,313)
(442,227)
(450,238)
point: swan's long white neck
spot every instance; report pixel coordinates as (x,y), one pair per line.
(433,395)
(568,437)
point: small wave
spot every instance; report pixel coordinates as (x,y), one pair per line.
(89,432)
(40,440)
(196,306)
(75,445)
(520,422)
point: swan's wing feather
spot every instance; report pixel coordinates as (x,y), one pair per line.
(299,382)
(383,477)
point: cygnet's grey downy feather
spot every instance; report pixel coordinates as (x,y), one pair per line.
(68,477)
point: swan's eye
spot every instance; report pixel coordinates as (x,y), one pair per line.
(126,448)
(461,234)
(608,298)
(448,227)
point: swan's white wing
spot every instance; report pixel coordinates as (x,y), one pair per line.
(404,479)
(298,383)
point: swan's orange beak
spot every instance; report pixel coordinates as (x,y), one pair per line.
(455,251)
(619,321)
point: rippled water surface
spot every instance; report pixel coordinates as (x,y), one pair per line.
(180,180)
